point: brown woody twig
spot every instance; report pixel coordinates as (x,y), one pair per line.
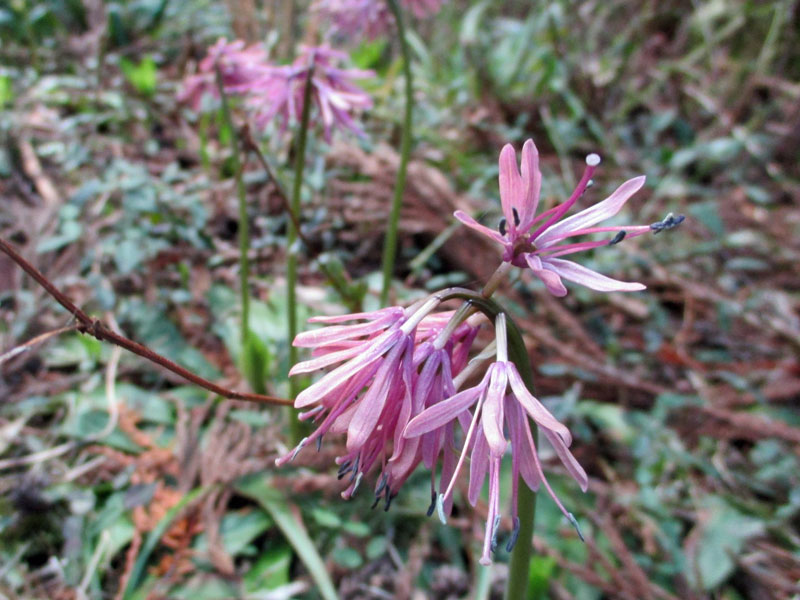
(97,329)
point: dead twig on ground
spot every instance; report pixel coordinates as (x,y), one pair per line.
(95,328)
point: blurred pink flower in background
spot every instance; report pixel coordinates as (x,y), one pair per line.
(238,65)
(278,90)
(536,241)
(368,18)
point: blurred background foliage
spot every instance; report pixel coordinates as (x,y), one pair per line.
(118,480)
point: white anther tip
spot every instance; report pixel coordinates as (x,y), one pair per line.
(593,159)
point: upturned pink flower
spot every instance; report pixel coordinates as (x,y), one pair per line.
(239,66)
(280,92)
(374,391)
(538,241)
(369,18)
(501,403)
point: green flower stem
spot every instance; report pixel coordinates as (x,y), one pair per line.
(519,566)
(390,242)
(244,224)
(296,427)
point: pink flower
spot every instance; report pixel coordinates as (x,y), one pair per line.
(376,389)
(538,242)
(238,65)
(280,92)
(272,90)
(501,403)
(370,18)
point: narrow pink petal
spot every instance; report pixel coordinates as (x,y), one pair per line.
(393,311)
(315,364)
(346,371)
(532,178)
(470,222)
(572,465)
(551,251)
(533,407)
(550,279)
(439,414)
(494,509)
(370,408)
(522,446)
(336,333)
(591,279)
(492,416)
(511,186)
(594,214)
(448,464)
(479,463)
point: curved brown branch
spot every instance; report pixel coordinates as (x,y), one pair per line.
(97,329)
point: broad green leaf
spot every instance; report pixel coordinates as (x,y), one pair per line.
(722,540)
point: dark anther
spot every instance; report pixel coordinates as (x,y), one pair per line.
(319,443)
(377,499)
(618,238)
(382,484)
(669,222)
(432,507)
(512,541)
(577,527)
(495,526)
(502,227)
(516,217)
(344,469)
(389,497)
(355,469)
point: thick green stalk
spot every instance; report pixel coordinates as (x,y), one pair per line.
(291,250)
(519,566)
(390,242)
(244,224)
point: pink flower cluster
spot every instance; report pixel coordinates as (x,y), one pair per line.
(369,18)
(278,90)
(395,390)
(394,397)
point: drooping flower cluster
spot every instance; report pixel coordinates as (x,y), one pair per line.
(538,241)
(394,396)
(369,18)
(392,365)
(278,90)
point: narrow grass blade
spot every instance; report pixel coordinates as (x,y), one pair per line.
(275,503)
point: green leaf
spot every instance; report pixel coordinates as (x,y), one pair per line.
(270,571)
(142,76)
(348,558)
(255,363)
(326,518)
(472,22)
(274,502)
(6,90)
(723,538)
(237,530)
